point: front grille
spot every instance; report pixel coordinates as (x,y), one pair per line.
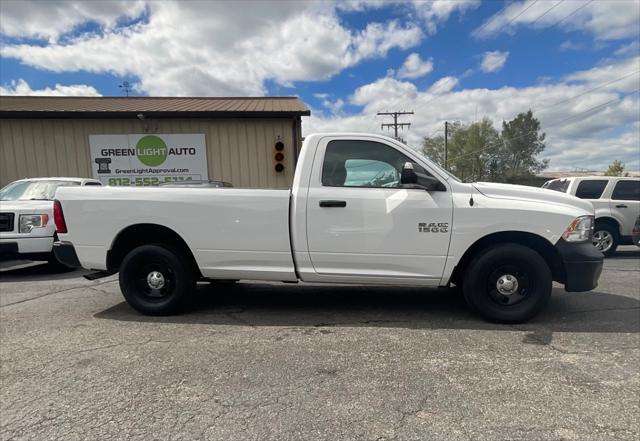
(6,221)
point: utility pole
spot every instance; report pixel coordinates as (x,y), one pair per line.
(446,144)
(395,124)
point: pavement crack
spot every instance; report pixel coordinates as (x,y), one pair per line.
(55,292)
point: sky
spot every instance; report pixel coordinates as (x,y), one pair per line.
(574,63)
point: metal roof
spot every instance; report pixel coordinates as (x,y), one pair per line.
(100,107)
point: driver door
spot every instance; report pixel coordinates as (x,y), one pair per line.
(362,225)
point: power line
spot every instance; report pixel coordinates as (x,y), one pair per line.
(547,11)
(522,12)
(475,152)
(486,23)
(567,99)
(588,91)
(570,14)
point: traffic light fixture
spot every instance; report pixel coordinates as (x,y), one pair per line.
(278,155)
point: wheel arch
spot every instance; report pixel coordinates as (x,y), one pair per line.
(610,221)
(146,234)
(531,240)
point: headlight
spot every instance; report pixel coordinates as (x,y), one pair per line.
(30,221)
(580,230)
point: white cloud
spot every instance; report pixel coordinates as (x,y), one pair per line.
(415,67)
(605,20)
(49,19)
(226,49)
(581,132)
(21,87)
(431,13)
(606,72)
(335,106)
(443,85)
(628,50)
(493,61)
(569,45)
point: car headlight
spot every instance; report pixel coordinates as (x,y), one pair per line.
(580,230)
(30,221)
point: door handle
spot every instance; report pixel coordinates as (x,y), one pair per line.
(340,204)
(621,206)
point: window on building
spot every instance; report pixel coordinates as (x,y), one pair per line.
(591,188)
(627,191)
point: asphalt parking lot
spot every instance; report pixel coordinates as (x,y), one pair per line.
(281,362)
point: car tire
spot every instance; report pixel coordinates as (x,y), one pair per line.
(507,283)
(157,280)
(606,238)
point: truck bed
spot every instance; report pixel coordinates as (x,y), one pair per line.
(232,232)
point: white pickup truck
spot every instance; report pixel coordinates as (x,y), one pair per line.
(364,209)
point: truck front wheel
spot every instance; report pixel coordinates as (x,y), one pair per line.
(507,283)
(156,280)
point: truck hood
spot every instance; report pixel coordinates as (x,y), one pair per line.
(523,192)
(27,207)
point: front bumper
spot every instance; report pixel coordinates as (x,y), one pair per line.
(582,265)
(66,254)
(25,247)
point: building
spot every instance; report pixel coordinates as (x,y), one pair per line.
(249,142)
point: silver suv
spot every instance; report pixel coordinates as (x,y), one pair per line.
(616,201)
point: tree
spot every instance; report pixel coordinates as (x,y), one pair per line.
(523,142)
(471,149)
(616,168)
(477,151)
(433,147)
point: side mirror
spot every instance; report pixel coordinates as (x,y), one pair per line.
(408,175)
(410,179)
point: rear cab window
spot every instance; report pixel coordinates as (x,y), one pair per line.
(591,188)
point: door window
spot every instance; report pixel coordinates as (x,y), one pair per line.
(627,191)
(352,163)
(591,189)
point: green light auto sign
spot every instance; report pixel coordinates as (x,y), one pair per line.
(151,150)
(148,159)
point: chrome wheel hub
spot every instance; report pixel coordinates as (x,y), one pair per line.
(155,280)
(507,284)
(602,240)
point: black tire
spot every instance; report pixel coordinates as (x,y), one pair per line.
(501,264)
(606,230)
(177,279)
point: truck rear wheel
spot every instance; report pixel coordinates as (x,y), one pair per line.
(156,280)
(507,283)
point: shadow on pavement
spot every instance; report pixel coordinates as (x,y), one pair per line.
(632,253)
(39,272)
(413,308)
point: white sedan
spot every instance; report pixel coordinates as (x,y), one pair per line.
(27,228)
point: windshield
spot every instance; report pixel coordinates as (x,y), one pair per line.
(33,190)
(557,184)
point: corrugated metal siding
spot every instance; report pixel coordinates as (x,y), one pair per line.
(239,151)
(151,104)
